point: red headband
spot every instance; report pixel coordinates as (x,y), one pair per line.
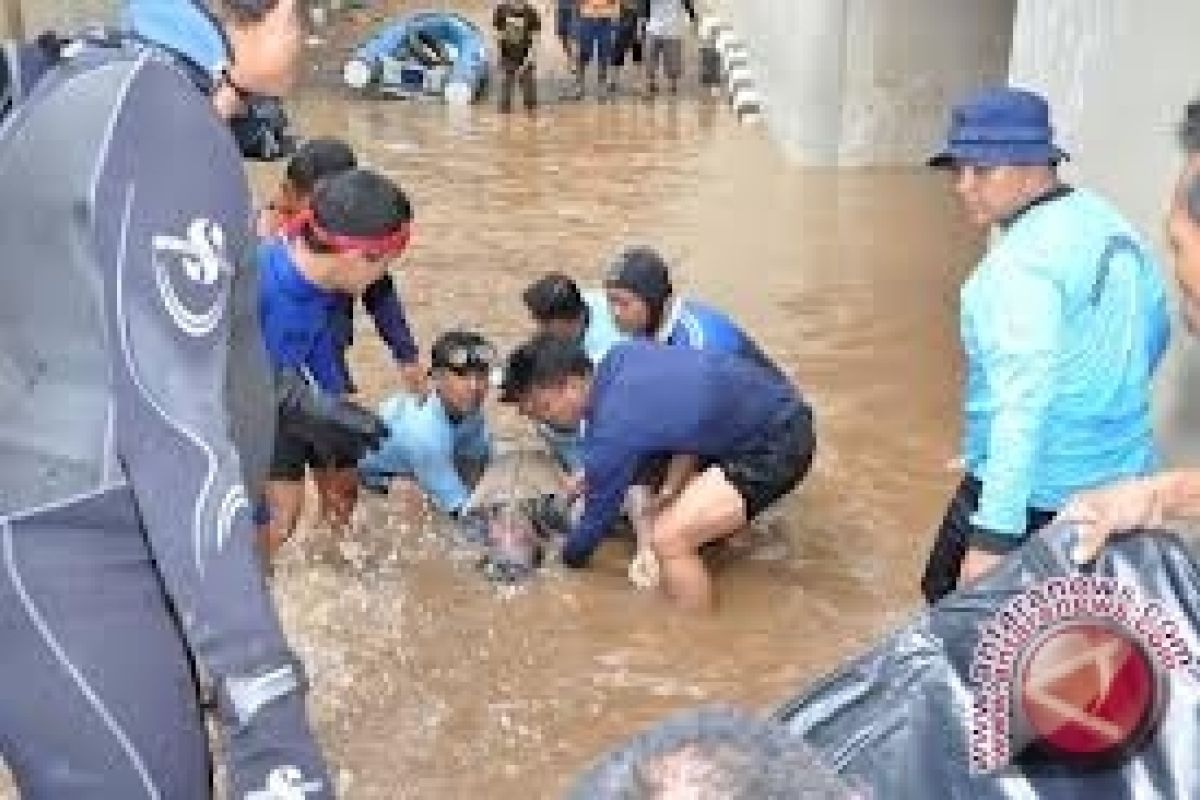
(387,244)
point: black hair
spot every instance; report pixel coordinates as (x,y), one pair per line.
(1189,140)
(554,297)
(319,158)
(462,351)
(248,11)
(728,754)
(543,360)
(357,202)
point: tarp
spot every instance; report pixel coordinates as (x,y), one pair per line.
(1085,685)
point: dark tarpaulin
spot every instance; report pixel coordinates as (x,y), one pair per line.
(898,718)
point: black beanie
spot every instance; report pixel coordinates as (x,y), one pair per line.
(643,271)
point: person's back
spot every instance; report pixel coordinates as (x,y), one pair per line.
(1103,339)
(702,327)
(658,399)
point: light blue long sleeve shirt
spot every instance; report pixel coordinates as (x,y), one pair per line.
(1063,322)
(425,444)
(599,337)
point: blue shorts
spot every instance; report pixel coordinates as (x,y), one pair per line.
(564,22)
(597,35)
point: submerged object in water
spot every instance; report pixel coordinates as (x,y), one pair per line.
(1035,681)
(516,496)
(428,53)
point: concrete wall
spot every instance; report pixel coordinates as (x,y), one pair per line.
(869,81)
(906,62)
(796,51)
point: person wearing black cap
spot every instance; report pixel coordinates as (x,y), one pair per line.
(644,303)
(342,243)
(441,440)
(751,433)
(138,418)
(315,160)
(1063,322)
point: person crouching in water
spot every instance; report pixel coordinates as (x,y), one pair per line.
(357,223)
(751,432)
(441,441)
(518,26)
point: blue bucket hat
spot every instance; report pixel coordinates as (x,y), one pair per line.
(1000,127)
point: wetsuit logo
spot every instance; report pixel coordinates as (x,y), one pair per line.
(197,302)
(285,783)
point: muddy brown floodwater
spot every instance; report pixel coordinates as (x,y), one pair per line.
(430,683)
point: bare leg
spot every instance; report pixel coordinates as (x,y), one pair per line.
(708,509)
(286,501)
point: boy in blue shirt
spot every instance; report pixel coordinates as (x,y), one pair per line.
(357,223)
(645,305)
(440,440)
(558,307)
(750,432)
(316,160)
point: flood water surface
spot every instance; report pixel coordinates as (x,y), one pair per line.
(428,682)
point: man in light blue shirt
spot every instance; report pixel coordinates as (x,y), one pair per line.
(441,440)
(1063,323)
(560,309)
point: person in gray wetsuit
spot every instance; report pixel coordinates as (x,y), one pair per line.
(135,430)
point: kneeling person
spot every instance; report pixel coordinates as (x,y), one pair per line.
(442,440)
(751,432)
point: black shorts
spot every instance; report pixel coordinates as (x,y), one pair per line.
(769,471)
(292,455)
(951,544)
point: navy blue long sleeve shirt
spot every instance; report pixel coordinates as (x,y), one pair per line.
(650,399)
(382,302)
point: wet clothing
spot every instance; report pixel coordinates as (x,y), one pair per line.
(701,327)
(566,13)
(599,336)
(298,319)
(424,443)
(1063,322)
(383,303)
(517,27)
(649,400)
(512,76)
(665,51)
(627,41)
(951,542)
(595,38)
(138,415)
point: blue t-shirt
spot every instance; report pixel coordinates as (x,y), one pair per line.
(425,444)
(693,324)
(297,319)
(648,399)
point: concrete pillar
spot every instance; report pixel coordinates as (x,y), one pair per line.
(796,51)
(1118,74)
(860,82)
(906,62)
